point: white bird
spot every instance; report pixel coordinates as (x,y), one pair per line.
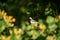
(32,21)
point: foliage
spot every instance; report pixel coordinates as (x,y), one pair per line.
(15,23)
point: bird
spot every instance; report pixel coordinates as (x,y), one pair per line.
(32,21)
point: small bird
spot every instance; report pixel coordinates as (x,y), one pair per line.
(32,21)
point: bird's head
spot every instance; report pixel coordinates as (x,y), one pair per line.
(30,18)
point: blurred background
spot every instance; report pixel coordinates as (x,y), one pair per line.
(45,12)
(22,9)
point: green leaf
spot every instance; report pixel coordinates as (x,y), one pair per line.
(17,37)
(46,9)
(29,27)
(47,12)
(50,20)
(52,27)
(27,38)
(27,12)
(2,26)
(35,35)
(23,27)
(58,35)
(24,10)
(40,21)
(28,33)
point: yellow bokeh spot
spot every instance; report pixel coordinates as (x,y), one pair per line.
(20,30)
(10,17)
(3,12)
(13,20)
(17,31)
(33,32)
(8,38)
(51,38)
(59,16)
(42,27)
(12,24)
(3,37)
(10,31)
